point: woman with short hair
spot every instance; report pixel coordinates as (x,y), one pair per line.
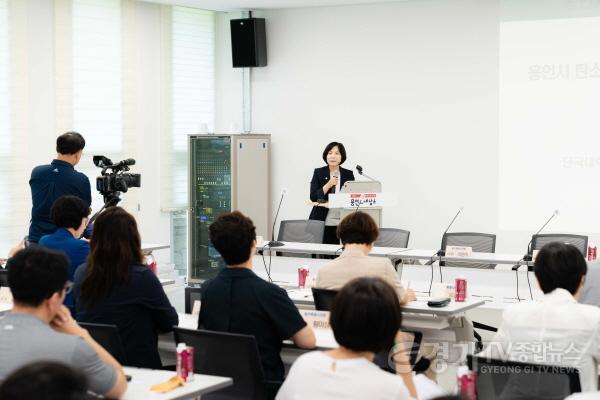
(326,180)
(365,319)
(358,233)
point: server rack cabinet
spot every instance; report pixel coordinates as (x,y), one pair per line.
(226,173)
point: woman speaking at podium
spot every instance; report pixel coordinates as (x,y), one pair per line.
(326,180)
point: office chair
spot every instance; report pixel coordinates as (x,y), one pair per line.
(392,237)
(232,355)
(579,241)
(3,277)
(108,337)
(511,380)
(480,242)
(323,298)
(192,294)
(302,231)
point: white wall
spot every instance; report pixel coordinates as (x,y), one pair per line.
(410,88)
(153,224)
(35,115)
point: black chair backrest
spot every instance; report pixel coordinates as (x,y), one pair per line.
(480,242)
(226,354)
(3,277)
(392,237)
(506,380)
(579,241)
(108,337)
(323,298)
(192,294)
(300,230)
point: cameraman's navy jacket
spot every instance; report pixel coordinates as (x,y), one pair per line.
(48,183)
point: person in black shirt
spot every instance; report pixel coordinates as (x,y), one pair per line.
(59,178)
(115,287)
(238,301)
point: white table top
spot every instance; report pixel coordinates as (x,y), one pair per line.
(188,321)
(166,281)
(330,249)
(142,379)
(584,396)
(397,252)
(417,254)
(325,339)
(150,247)
(304,296)
(491,258)
(5,307)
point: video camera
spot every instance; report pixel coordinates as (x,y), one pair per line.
(114,179)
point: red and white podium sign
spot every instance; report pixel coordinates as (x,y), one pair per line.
(362,200)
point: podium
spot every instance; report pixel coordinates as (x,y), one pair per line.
(365,196)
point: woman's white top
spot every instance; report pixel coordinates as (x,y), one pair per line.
(317,376)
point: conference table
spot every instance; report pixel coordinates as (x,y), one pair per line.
(324,336)
(489,290)
(496,286)
(142,379)
(397,252)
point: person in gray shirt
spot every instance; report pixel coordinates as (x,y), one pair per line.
(590,292)
(40,327)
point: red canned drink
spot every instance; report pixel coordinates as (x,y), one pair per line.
(302,274)
(190,364)
(460,293)
(151,262)
(466,383)
(590,256)
(185,362)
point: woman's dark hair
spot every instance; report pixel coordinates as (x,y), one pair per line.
(340,147)
(36,273)
(233,234)
(69,143)
(366,315)
(559,265)
(45,380)
(68,211)
(114,247)
(358,228)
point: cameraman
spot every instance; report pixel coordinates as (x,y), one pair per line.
(59,178)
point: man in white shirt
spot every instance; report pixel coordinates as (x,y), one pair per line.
(556,330)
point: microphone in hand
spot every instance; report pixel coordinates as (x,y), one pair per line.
(334,180)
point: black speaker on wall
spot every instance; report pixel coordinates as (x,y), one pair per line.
(248,42)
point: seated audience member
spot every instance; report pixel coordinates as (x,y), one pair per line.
(365,319)
(358,232)
(40,327)
(69,214)
(590,292)
(557,329)
(115,287)
(238,301)
(45,380)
